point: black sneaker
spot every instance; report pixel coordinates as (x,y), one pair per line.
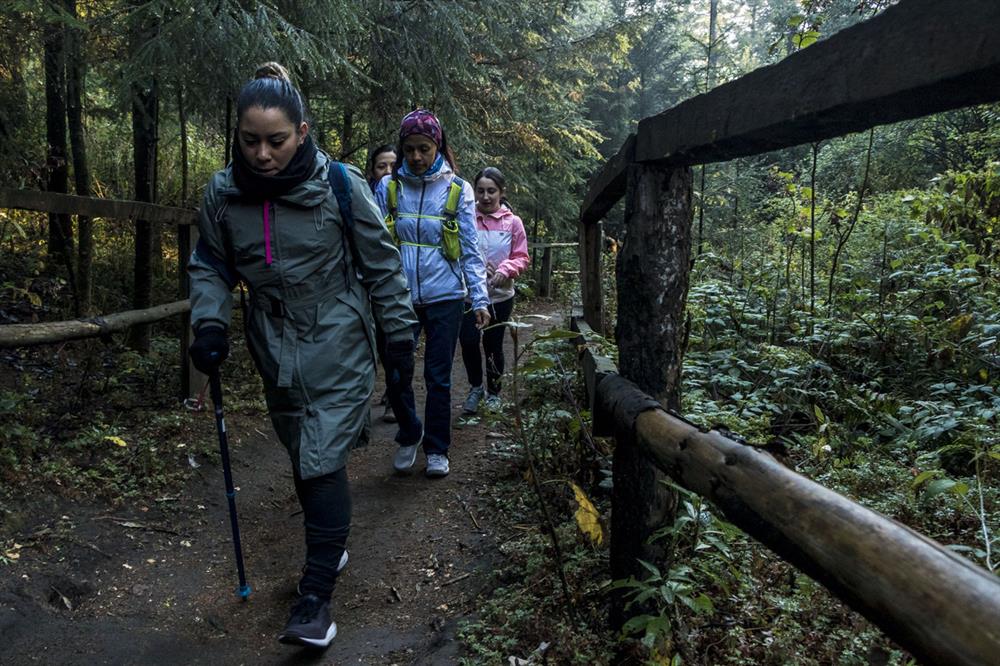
(309,623)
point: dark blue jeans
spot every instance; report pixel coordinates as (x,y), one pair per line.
(440,323)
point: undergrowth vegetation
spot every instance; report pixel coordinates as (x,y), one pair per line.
(882,387)
(94,417)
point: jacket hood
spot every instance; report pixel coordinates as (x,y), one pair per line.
(310,192)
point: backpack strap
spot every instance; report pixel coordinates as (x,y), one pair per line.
(454,198)
(392,197)
(340,183)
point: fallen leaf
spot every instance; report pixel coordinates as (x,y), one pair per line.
(587,517)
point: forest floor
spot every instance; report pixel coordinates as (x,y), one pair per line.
(153,580)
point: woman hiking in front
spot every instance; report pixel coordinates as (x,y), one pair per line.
(272,219)
(430,212)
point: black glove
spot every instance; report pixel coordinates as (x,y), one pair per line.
(399,357)
(209,349)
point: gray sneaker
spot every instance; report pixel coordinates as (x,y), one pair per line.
(406,456)
(471,404)
(493,403)
(309,623)
(437,465)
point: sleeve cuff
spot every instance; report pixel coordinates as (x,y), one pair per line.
(401,334)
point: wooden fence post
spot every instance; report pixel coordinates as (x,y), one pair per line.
(652,279)
(191,381)
(545,279)
(590,275)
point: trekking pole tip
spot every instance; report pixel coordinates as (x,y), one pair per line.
(244,592)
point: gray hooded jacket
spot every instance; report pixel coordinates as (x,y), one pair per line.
(308,321)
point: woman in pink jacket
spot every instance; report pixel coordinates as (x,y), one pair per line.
(504,246)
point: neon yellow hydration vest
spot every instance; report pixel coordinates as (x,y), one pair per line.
(450,246)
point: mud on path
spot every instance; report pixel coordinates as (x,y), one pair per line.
(153,582)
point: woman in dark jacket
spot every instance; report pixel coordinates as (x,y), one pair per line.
(271,220)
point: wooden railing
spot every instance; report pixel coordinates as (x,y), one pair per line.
(185,219)
(916,58)
(545,270)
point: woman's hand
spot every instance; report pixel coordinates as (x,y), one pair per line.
(498,280)
(482,318)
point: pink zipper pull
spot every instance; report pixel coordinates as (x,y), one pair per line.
(267,233)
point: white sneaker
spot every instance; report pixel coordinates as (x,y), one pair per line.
(437,465)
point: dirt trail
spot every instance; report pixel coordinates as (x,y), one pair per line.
(154,582)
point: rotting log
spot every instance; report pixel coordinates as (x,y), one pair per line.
(939,606)
(70,204)
(27,335)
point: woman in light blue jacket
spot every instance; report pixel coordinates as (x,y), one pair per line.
(431,214)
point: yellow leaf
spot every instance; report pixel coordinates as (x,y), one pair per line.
(587,517)
(118,441)
(960,325)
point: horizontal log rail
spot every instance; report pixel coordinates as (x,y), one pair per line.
(916,58)
(27,335)
(939,606)
(71,204)
(542,246)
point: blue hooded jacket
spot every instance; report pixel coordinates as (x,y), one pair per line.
(420,210)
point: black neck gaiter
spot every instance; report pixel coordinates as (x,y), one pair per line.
(259,187)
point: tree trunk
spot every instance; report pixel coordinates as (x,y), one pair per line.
(60,242)
(182,120)
(713,15)
(812,236)
(228,130)
(652,276)
(144,113)
(155,230)
(846,236)
(713,26)
(75,83)
(347,134)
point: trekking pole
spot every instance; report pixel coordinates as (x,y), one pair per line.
(215,383)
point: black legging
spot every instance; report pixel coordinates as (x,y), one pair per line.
(326,508)
(492,344)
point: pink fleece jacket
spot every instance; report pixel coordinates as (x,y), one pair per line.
(504,246)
